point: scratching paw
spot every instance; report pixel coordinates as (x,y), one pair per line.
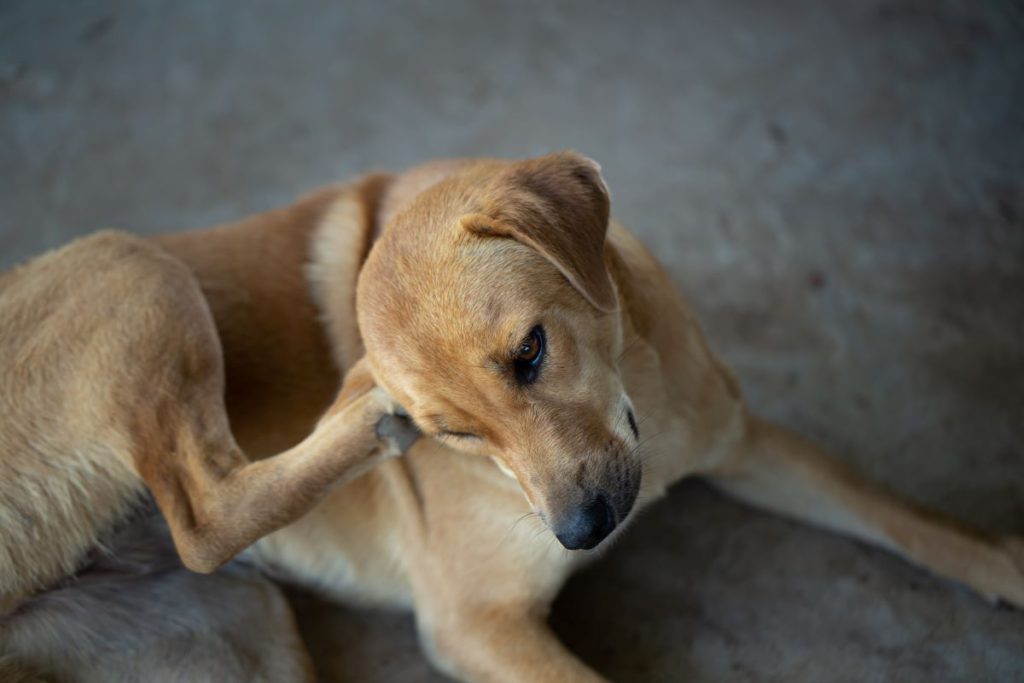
(397,429)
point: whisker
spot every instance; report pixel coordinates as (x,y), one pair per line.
(537,533)
(641,419)
(629,347)
(531,513)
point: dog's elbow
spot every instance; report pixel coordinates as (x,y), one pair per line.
(199,552)
(200,563)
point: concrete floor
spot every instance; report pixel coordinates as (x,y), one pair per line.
(839,187)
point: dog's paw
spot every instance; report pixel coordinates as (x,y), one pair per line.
(1013,592)
(998,571)
(398,430)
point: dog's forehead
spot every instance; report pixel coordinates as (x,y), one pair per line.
(464,286)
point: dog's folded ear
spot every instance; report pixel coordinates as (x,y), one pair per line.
(557,204)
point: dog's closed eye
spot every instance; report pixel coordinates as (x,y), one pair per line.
(457,435)
(443,430)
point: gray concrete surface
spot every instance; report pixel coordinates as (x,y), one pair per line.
(838,186)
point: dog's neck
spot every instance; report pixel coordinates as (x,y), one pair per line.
(342,241)
(337,250)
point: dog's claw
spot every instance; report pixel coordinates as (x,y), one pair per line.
(399,429)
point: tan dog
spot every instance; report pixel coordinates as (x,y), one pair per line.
(497,303)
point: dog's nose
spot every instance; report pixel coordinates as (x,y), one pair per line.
(588,526)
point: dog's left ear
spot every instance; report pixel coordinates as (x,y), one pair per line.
(557,204)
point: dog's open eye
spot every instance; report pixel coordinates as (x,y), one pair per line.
(529,356)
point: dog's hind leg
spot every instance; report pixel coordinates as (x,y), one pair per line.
(217,502)
(171,404)
(112,363)
(170,401)
(775,469)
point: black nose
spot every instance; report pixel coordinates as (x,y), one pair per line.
(588,526)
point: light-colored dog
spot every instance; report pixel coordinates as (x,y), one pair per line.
(541,345)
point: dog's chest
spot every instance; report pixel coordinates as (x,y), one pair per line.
(348,547)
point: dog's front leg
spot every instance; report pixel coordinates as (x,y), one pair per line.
(481,571)
(782,472)
(500,643)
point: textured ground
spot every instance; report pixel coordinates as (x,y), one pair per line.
(839,187)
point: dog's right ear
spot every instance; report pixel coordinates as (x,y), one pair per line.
(558,205)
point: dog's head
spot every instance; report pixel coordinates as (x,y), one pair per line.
(487,310)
